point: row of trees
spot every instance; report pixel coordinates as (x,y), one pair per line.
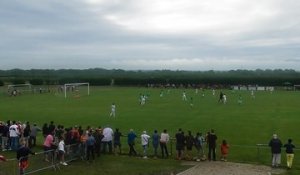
(276,77)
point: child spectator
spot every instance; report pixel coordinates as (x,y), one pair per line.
(22,156)
(289,153)
(224,150)
(61,151)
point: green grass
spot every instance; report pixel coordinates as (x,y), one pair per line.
(243,126)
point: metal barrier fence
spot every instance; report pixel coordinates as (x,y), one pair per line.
(36,163)
(259,153)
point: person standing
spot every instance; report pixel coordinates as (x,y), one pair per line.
(90,143)
(224,150)
(180,142)
(33,134)
(189,141)
(107,139)
(117,141)
(131,142)
(275,144)
(155,142)
(48,146)
(113,110)
(289,149)
(22,156)
(4,139)
(184,96)
(98,137)
(14,135)
(145,141)
(164,139)
(199,144)
(212,143)
(61,151)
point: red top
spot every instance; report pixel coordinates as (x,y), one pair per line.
(224,148)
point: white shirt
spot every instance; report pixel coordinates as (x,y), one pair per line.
(164,137)
(61,146)
(14,131)
(108,134)
(113,107)
(145,139)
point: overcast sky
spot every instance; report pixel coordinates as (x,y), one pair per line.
(150,34)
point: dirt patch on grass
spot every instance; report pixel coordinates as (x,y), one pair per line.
(229,168)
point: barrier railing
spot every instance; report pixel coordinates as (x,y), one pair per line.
(259,153)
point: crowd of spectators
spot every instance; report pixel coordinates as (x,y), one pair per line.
(96,141)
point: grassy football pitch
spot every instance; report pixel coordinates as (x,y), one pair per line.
(242,125)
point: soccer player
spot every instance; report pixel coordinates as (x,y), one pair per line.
(240,100)
(224,99)
(252,94)
(161,93)
(191,102)
(113,110)
(184,96)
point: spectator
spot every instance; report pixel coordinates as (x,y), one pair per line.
(107,139)
(180,142)
(145,141)
(90,142)
(14,135)
(131,142)
(61,151)
(22,156)
(275,145)
(189,140)
(26,133)
(4,136)
(224,150)
(83,146)
(45,130)
(289,149)
(212,139)
(199,144)
(164,139)
(155,142)
(33,134)
(52,127)
(117,141)
(98,137)
(48,146)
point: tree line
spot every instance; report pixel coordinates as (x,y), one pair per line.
(98,76)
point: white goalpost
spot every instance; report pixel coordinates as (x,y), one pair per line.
(19,88)
(73,86)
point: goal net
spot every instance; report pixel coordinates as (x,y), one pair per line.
(76,89)
(16,89)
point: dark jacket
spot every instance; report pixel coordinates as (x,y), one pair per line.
(275,145)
